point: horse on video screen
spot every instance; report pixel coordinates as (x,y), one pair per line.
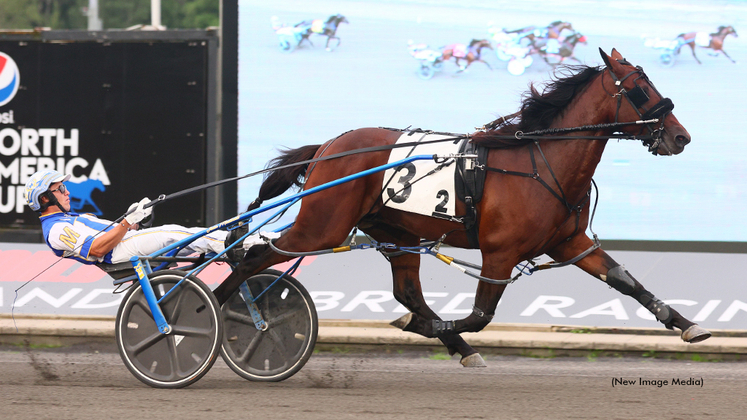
(535,201)
(326,28)
(470,53)
(714,41)
(555,53)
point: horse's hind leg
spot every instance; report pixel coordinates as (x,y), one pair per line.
(692,47)
(309,233)
(408,291)
(600,265)
(257,258)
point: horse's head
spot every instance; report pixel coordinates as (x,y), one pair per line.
(576,38)
(730,30)
(98,184)
(638,100)
(337,19)
(480,44)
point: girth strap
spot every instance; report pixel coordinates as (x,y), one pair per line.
(469,182)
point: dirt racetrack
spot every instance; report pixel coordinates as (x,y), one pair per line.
(81,384)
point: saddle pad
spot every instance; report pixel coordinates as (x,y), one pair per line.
(411,188)
(702,39)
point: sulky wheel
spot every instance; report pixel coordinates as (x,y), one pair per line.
(285,46)
(183,356)
(425,72)
(283,347)
(667,58)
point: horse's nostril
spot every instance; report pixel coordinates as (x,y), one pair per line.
(682,140)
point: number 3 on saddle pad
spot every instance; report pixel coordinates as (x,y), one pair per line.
(424,186)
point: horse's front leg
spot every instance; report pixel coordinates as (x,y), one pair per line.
(329,38)
(727,56)
(600,265)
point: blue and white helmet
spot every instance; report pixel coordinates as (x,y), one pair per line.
(38,184)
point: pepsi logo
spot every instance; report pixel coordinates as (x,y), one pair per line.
(10,78)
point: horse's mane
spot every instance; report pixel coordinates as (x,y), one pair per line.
(335,18)
(538,110)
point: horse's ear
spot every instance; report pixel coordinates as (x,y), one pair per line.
(605,57)
(616,55)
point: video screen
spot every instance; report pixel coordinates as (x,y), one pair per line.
(310,71)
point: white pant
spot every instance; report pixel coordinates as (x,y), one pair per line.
(147,241)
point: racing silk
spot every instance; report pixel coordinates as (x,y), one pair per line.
(71,235)
(458,50)
(317,26)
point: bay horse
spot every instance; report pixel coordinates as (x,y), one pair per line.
(555,28)
(564,50)
(469,53)
(518,218)
(326,28)
(715,41)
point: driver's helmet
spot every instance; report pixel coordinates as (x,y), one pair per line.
(38,184)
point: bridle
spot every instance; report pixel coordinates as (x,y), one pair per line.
(637,97)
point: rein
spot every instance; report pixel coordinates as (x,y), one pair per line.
(164,197)
(547,134)
(636,97)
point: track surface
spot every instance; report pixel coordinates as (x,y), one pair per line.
(81,384)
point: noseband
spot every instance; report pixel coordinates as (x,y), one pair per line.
(637,97)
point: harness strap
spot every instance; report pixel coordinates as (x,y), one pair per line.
(536,176)
(577,258)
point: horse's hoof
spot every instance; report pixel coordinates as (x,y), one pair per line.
(473,360)
(402,321)
(695,334)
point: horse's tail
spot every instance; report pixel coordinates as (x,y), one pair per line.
(280,180)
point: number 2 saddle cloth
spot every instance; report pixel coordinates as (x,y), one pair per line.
(430,187)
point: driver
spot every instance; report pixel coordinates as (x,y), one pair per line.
(90,240)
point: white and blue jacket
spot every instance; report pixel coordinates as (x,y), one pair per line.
(71,235)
